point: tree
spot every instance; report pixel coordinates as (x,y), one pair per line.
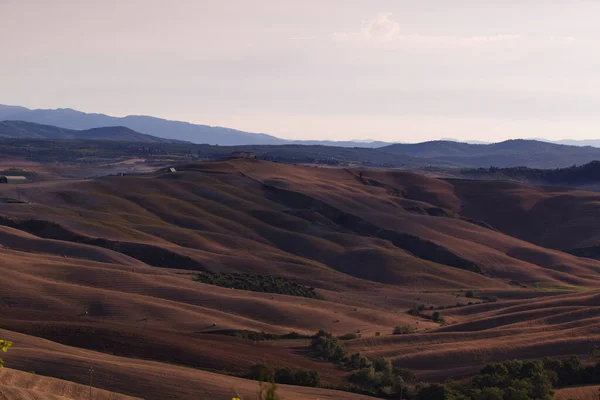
(434,392)
(406,374)
(516,394)
(326,346)
(403,330)
(262,373)
(595,353)
(359,362)
(382,364)
(307,378)
(488,393)
(437,317)
(4,346)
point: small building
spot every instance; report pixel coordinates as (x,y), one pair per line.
(172,169)
(243,154)
(12,179)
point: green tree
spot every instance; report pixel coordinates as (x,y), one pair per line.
(262,373)
(435,392)
(359,362)
(488,393)
(437,317)
(516,394)
(403,330)
(406,374)
(324,345)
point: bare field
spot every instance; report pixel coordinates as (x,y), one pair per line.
(98,272)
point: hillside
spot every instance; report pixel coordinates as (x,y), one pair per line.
(510,153)
(106,267)
(580,175)
(28,130)
(18,385)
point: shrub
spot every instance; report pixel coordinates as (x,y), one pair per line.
(470,294)
(257,283)
(307,378)
(403,330)
(435,392)
(325,346)
(350,336)
(437,317)
(406,374)
(488,393)
(359,362)
(261,373)
(4,346)
(257,336)
(294,335)
(416,309)
(284,375)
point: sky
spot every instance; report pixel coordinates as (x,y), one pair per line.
(393,70)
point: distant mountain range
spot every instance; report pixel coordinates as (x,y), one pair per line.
(162,128)
(30,130)
(195,133)
(510,153)
(32,143)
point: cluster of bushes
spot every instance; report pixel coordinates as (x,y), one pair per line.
(403,330)
(574,175)
(418,312)
(514,380)
(377,377)
(380,378)
(284,375)
(571,371)
(257,283)
(258,336)
(508,380)
(327,347)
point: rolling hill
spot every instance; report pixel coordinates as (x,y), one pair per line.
(585,175)
(29,130)
(99,272)
(510,153)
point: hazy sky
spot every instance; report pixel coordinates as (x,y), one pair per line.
(392,70)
